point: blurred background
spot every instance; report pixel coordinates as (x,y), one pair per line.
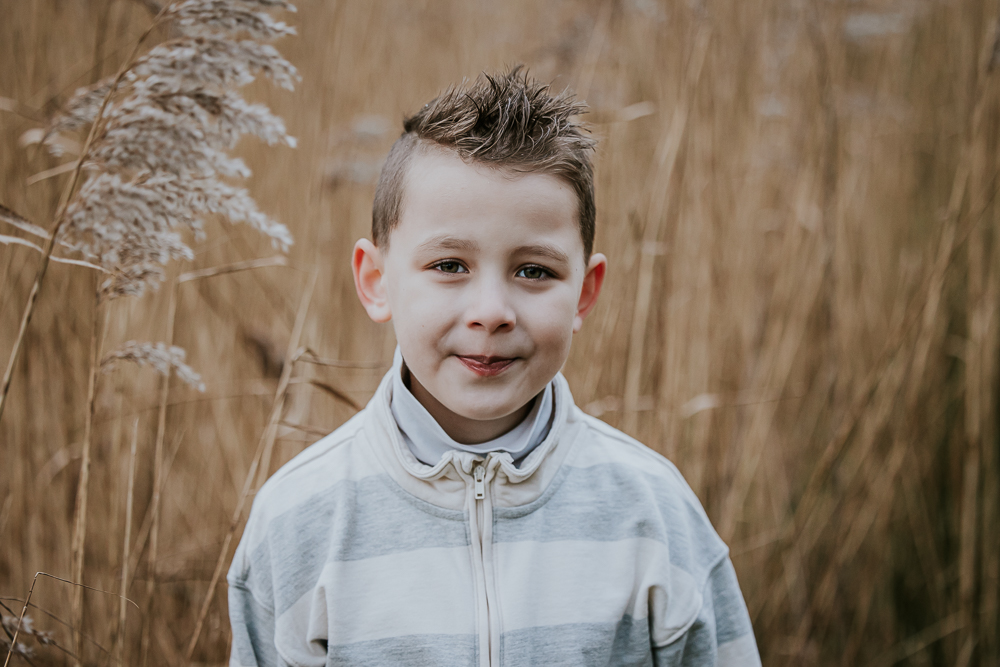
(797,200)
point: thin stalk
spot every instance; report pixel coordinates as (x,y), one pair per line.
(60,216)
(154,530)
(78,548)
(310,358)
(989,581)
(142,535)
(20,619)
(125,543)
(975,366)
(262,457)
(27,601)
(277,260)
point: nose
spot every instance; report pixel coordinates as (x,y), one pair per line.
(490,308)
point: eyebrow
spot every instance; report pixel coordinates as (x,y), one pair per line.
(447,243)
(551,252)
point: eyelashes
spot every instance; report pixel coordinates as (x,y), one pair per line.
(450,266)
(537,272)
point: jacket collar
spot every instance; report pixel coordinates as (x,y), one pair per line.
(446,483)
(424,436)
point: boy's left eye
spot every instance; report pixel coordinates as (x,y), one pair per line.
(533,273)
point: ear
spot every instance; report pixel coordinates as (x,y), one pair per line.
(593,279)
(369,273)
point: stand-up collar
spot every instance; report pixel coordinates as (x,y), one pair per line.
(428,442)
(444,484)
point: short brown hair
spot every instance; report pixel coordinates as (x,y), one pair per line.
(506,120)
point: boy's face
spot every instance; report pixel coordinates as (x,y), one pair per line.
(485,282)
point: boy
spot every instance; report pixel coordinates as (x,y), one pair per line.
(471,514)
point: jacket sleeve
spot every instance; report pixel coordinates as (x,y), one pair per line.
(266,631)
(721,635)
(253,629)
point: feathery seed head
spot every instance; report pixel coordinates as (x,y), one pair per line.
(161,151)
(159,356)
(159,154)
(206,17)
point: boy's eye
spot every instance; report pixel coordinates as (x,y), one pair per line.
(450,267)
(533,273)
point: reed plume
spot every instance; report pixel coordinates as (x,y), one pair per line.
(157,148)
(156,164)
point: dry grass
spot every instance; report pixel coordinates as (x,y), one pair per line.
(798,203)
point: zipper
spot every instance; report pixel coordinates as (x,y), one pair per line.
(480,476)
(481,518)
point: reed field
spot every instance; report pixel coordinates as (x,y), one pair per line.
(798,204)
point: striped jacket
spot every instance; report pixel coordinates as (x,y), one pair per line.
(593,552)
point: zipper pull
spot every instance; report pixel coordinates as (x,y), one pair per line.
(480,474)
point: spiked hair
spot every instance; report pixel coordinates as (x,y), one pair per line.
(503,120)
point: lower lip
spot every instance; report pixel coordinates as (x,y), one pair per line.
(486,370)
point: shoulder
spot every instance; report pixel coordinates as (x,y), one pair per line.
(601,445)
(323,463)
(617,470)
(289,497)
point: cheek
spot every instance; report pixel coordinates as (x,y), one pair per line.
(551,322)
(421,314)
(422,288)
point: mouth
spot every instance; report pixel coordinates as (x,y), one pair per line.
(486,366)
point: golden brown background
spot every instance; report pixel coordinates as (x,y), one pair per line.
(797,200)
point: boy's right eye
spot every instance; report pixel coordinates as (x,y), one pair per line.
(450,266)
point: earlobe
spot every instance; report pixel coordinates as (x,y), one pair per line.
(593,280)
(368,267)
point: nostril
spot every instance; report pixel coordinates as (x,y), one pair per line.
(493,324)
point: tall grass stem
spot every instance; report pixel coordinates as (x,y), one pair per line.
(262,458)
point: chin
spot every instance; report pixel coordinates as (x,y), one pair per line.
(486,410)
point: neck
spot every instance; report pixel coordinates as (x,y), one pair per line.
(462,429)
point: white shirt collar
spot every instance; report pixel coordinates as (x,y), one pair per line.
(429,442)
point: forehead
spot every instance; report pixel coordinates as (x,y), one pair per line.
(445,195)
